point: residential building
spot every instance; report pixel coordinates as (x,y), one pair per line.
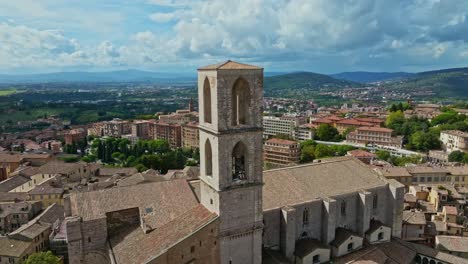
(281,152)
(116,128)
(285,125)
(13,215)
(54,145)
(74,135)
(374,136)
(427,111)
(399,174)
(454,140)
(414,223)
(179,118)
(457,246)
(457,176)
(9,162)
(304,132)
(172,133)
(48,193)
(190,135)
(140,129)
(350,124)
(30,238)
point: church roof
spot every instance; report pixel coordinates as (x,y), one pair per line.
(331,177)
(134,246)
(158,197)
(229,65)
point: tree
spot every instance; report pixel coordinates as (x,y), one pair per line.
(309,142)
(456,156)
(89,158)
(322,151)
(424,141)
(326,132)
(395,120)
(383,155)
(43,258)
(307,153)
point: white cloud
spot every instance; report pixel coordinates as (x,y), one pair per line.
(162,17)
(327,35)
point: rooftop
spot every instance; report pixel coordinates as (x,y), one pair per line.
(427,169)
(331,177)
(58,167)
(12,247)
(306,246)
(158,197)
(394,172)
(414,217)
(450,210)
(114,171)
(47,187)
(359,153)
(13,182)
(281,141)
(453,243)
(134,246)
(229,65)
(456,133)
(375,129)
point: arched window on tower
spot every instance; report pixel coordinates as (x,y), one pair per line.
(240,102)
(238,162)
(207,101)
(208,159)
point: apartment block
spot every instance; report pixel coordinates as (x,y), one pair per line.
(140,129)
(374,136)
(190,135)
(172,133)
(453,140)
(281,152)
(285,125)
(74,135)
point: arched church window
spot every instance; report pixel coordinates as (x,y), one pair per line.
(343,208)
(207,101)
(208,159)
(240,102)
(238,162)
(305,216)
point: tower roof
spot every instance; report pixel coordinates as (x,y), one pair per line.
(229,65)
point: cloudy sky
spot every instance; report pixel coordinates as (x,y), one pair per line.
(324,36)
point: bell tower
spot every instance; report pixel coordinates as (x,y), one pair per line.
(230,105)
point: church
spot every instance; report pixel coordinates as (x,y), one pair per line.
(236,213)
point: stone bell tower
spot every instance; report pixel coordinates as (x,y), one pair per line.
(230,105)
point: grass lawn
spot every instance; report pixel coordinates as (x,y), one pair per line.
(7,92)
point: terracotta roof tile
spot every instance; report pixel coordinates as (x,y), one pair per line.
(293,185)
(134,246)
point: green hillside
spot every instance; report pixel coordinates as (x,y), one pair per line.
(444,83)
(294,84)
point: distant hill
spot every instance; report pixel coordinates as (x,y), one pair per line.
(102,77)
(110,76)
(370,77)
(444,83)
(303,81)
